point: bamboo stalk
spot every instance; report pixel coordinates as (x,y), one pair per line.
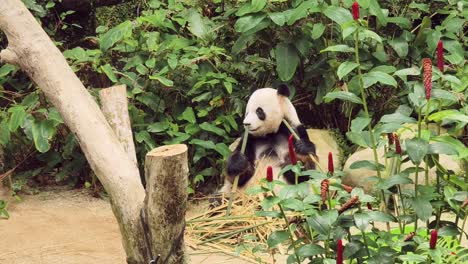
(236,179)
(297,138)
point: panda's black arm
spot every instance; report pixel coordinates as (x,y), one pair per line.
(303,145)
(241,164)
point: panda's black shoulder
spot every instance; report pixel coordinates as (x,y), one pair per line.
(283,89)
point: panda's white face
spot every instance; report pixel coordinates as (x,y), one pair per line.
(264,112)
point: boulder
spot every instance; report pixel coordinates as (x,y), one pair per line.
(359,177)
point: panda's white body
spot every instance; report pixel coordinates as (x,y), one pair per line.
(267,143)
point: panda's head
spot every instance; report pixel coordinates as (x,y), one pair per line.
(266,109)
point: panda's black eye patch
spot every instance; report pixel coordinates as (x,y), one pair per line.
(261,115)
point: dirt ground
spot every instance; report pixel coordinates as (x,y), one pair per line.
(68,227)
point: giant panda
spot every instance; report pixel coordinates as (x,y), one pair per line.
(267,141)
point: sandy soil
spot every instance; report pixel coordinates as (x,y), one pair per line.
(68,227)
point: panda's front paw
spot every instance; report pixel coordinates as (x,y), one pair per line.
(237,164)
(304,147)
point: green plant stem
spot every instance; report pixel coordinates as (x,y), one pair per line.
(236,179)
(417,172)
(291,234)
(364,238)
(463,227)
(366,110)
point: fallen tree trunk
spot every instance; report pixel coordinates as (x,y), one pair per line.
(31,49)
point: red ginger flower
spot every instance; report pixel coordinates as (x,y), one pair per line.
(440,56)
(339,252)
(397,145)
(347,188)
(331,168)
(269,176)
(410,236)
(427,68)
(292,154)
(324,189)
(391,138)
(350,203)
(355,10)
(433,241)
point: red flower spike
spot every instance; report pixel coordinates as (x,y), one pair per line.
(397,145)
(391,138)
(292,153)
(440,56)
(347,188)
(324,189)
(369,206)
(355,10)
(427,71)
(433,241)
(410,236)
(339,252)
(331,168)
(269,176)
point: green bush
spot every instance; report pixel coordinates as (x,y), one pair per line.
(189,67)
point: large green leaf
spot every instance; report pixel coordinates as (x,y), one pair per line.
(373,77)
(248,22)
(451,114)
(317,30)
(189,115)
(359,123)
(375,9)
(338,48)
(163,80)
(322,223)
(413,71)
(362,220)
(203,143)
(302,11)
(107,69)
(397,117)
(276,238)
(442,148)
(345,68)
(422,207)
(338,14)
(366,164)
(4,133)
(211,128)
(400,46)
(18,116)
(342,95)
(115,35)
(252,7)
(309,250)
(393,180)
(197,26)
(287,61)
(416,149)
(42,131)
(413,258)
(6,69)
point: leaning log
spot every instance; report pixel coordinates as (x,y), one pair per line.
(32,50)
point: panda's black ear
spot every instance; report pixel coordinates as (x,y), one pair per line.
(283,89)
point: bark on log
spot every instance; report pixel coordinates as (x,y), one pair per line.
(114,106)
(30,48)
(166,168)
